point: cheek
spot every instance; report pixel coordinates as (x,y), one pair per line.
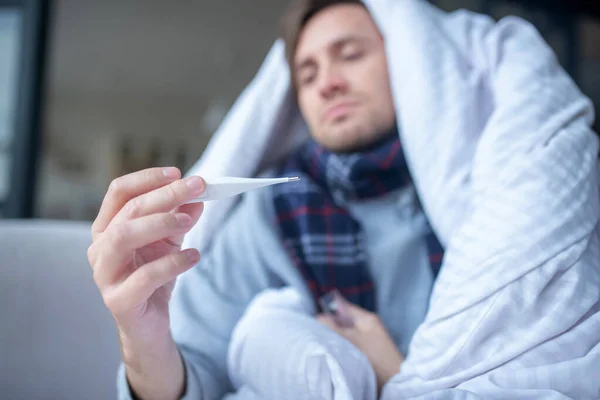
(381,78)
(382,90)
(308,106)
(372,79)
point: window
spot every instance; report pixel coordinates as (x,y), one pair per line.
(10,35)
(22,38)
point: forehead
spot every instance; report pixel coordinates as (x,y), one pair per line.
(333,24)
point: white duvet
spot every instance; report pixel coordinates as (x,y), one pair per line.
(498,140)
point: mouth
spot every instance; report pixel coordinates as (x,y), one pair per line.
(339,110)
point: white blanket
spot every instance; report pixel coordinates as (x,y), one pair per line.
(278,350)
(499,143)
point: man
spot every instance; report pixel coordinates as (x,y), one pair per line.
(368,237)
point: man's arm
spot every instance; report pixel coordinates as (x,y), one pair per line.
(209,299)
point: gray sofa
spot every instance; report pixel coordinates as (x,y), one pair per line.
(57,339)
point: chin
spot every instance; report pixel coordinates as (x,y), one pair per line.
(347,144)
(347,139)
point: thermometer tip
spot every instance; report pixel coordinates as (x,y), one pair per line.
(294,178)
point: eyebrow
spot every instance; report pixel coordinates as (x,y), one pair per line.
(350,38)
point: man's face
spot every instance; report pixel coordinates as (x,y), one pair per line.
(342,79)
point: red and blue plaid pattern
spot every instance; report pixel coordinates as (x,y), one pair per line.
(324,241)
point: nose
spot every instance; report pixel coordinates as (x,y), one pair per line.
(332,83)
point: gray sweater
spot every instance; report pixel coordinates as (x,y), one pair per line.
(246,257)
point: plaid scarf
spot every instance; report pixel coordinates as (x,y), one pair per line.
(324,241)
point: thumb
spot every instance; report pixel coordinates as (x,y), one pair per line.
(364,320)
(355,311)
(328,321)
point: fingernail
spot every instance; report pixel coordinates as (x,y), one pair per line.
(183,219)
(195,183)
(170,173)
(192,255)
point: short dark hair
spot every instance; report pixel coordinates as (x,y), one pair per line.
(295,18)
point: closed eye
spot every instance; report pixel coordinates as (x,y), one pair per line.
(306,78)
(351,50)
(353,55)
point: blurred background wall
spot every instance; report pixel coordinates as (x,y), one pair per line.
(95,89)
(138,83)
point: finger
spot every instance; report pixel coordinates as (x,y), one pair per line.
(129,186)
(347,332)
(140,285)
(328,321)
(164,199)
(194,210)
(355,311)
(116,246)
(364,320)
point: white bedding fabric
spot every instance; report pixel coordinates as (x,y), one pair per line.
(279,350)
(498,141)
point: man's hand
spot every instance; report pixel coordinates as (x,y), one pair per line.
(370,336)
(136,257)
